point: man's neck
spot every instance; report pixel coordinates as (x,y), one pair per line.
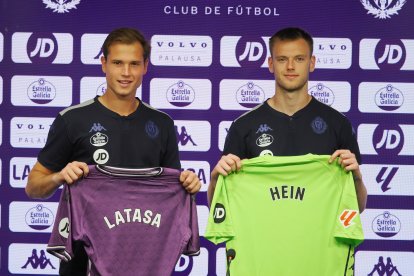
(122,106)
(289,102)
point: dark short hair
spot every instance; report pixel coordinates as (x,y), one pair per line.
(291,33)
(126,36)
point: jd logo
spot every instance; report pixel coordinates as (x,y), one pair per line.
(219,213)
(251,51)
(44,48)
(388,139)
(390,54)
(347,217)
(101,156)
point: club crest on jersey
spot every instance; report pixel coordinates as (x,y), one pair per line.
(347,216)
(152,129)
(263,128)
(319,126)
(264,140)
(219,213)
(64,227)
(99,139)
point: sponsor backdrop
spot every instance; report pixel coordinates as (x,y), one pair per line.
(208,66)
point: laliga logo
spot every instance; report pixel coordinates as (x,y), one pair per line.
(347,217)
(383,9)
(61,6)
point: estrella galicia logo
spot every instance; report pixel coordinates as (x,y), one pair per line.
(41,91)
(250,95)
(237,51)
(386,225)
(219,213)
(99,139)
(322,93)
(97,127)
(152,129)
(180,94)
(56,48)
(383,9)
(318,125)
(39,217)
(388,139)
(264,140)
(389,98)
(263,128)
(60,6)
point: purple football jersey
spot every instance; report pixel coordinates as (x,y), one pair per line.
(131,221)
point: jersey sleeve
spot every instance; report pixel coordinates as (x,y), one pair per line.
(193,246)
(171,157)
(234,142)
(58,148)
(60,239)
(348,227)
(348,139)
(220,223)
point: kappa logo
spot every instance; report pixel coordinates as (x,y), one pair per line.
(263,128)
(97,127)
(383,9)
(183,138)
(61,6)
(38,261)
(347,217)
(385,269)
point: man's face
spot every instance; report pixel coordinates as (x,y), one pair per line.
(124,68)
(290,63)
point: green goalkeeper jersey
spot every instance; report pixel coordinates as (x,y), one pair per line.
(287,216)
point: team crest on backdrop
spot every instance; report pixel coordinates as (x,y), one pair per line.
(383,9)
(61,6)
